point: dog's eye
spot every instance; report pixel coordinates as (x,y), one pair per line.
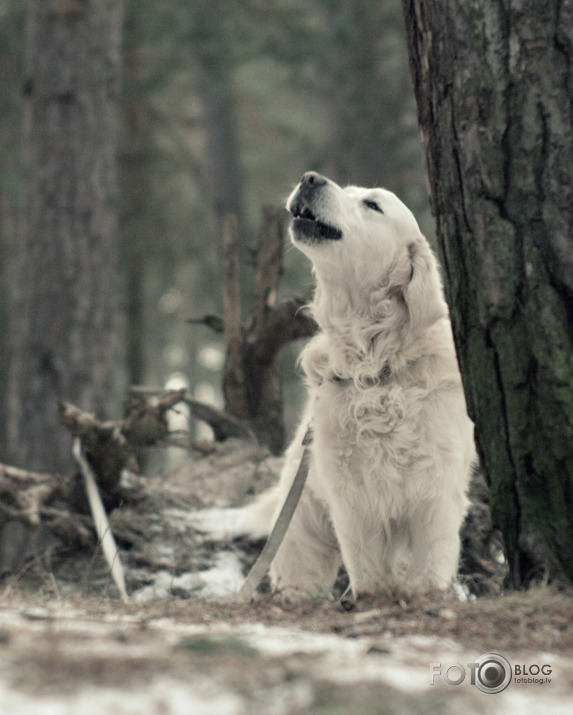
(372,205)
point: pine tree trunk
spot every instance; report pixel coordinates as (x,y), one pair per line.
(136,220)
(214,68)
(65,323)
(494,89)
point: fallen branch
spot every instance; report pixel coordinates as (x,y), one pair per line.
(145,424)
(102,527)
(23,494)
(223,424)
(109,446)
(105,445)
(33,498)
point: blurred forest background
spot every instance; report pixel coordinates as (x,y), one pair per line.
(224,104)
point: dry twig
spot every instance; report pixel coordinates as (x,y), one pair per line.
(101,523)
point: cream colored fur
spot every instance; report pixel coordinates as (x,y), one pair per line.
(392,443)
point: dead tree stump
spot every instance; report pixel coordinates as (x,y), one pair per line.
(251,375)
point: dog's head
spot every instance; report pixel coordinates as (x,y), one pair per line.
(366,246)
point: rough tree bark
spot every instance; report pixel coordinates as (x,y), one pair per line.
(494,88)
(135,219)
(65,322)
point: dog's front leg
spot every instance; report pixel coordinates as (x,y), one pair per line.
(364,547)
(436,543)
(308,560)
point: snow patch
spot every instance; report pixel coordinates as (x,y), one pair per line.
(224,579)
(220,524)
(162,696)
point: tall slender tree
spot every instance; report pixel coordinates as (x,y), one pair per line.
(495,95)
(65,324)
(210,38)
(12,16)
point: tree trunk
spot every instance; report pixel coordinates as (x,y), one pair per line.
(137,227)
(251,375)
(65,324)
(211,44)
(495,92)
(11,68)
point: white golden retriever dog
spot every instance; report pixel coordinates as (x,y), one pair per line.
(392,444)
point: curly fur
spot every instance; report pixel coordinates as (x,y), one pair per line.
(392,443)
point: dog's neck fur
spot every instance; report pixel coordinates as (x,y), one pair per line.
(368,332)
(362,346)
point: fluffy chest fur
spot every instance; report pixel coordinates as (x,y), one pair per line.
(373,434)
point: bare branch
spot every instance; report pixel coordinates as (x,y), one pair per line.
(103,530)
(289,321)
(214,322)
(104,442)
(223,424)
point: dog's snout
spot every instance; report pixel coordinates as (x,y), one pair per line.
(312,178)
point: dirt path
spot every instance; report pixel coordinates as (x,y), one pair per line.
(170,657)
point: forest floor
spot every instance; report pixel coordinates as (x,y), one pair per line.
(183,645)
(216,657)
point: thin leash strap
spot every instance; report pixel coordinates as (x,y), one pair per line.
(263,563)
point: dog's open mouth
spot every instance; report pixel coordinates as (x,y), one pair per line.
(306,224)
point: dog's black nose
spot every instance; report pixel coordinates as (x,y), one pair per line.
(311,178)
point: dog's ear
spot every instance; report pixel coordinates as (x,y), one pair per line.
(423,291)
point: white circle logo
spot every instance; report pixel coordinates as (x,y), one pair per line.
(493,673)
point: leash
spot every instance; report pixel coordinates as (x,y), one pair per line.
(263,563)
